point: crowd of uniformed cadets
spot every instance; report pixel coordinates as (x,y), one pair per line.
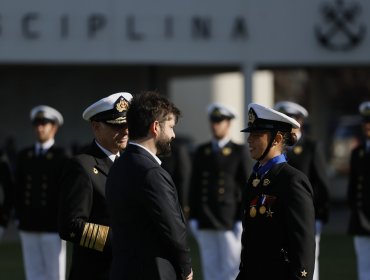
(129,221)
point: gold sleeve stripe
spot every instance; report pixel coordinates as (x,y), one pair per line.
(88,235)
(101,238)
(93,236)
(83,237)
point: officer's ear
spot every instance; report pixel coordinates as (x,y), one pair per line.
(278,139)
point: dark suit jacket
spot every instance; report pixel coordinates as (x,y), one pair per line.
(83,217)
(359,192)
(37,188)
(216,185)
(278,239)
(149,231)
(307,157)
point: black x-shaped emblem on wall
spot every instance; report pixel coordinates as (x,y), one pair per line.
(340,30)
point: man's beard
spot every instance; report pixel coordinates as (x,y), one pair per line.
(163,147)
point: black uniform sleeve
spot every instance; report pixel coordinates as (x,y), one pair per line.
(300,222)
(76,201)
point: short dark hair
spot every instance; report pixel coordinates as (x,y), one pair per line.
(147,108)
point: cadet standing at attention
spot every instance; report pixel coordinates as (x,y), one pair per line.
(307,157)
(38,170)
(278,240)
(219,173)
(358,195)
(83,216)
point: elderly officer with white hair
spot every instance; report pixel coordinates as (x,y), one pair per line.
(307,156)
(358,196)
(219,172)
(83,216)
(37,193)
(278,240)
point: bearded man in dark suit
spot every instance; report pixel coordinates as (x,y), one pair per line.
(83,217)
(149,229)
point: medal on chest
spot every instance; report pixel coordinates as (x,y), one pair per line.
(255,182)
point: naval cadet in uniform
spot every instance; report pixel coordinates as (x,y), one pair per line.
(278,240)
(358,195)
(306,155)
(38,170)
(219,172)
(83,216)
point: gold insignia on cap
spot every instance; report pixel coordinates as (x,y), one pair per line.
(304,273)
(122,105)
(266,182)
(40,115)
(95,170)
(298,150)
(226,151)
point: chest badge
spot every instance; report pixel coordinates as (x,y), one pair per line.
(266,182)
(255,182)
(298,150)
(226,151)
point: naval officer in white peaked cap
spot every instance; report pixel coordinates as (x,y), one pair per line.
(278,239)
(83,215)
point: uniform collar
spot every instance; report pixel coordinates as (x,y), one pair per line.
(111,156)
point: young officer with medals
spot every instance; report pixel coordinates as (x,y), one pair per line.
(278,240)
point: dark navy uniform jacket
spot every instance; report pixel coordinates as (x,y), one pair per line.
(37,189)
(149,229)
(216,185)
(83,216)
(308,158)
(6,191)
(359,192)
(278,240)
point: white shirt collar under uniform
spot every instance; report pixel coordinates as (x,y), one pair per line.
(44,146)
(155,157)
(111,156)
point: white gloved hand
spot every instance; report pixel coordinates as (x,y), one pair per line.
(238,229)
